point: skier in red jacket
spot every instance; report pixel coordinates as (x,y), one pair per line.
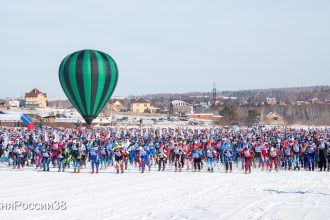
(248,155)
(264,157)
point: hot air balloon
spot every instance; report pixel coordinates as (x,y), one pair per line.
(88,78)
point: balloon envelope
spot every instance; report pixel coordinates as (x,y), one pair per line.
(88,78)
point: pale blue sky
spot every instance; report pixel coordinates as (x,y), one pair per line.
(168,46)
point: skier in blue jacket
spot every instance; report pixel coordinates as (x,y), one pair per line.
(45,158)
(228,154)
(311,156)
(144,159)
(94,158)
(210,154)
(104,157)
(197,155)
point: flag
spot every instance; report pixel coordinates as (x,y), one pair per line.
(118,134)
(56,138)
(5,141)
(46,137)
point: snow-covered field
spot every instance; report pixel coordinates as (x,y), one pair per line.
(168,195)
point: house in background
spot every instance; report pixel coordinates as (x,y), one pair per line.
(35,99)
(49,118)
(271,101)
(14,103)
(117,105)
(180,107)
(140,106)
(154,108)
(274,118)
(315,101)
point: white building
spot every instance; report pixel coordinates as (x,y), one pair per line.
(180,107)
(271,101)
(13,104)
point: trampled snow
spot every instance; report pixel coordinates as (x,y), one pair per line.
(168,195)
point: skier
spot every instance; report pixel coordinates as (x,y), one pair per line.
(152,153)
(28,155)
(5,156)
(131,154)
(257,158)
(104,157)
(67,157)
(287,157)
(54,150)
(178,153)
(83,158)
(171,156)
(228,160)
(248,155)
(273,158)
(45,158)
(304,159)
(137,155)
(296,155)
(119,159)
(264,157)
(311,155)
(2,148)
(143,159)
(210,155)
(161,157)
(14,155)
(197,155)
(94,158)
(188,156)
(244,146)
(328,153)
(322,155)
(126,148)
(226,145)
(60,161)
(236,150)
(38,155)
(76,156)
(20,158)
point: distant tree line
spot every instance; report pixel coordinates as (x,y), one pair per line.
(312,114)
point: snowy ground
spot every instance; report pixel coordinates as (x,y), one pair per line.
(169,195)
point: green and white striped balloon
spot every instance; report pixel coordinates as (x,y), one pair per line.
(88,78)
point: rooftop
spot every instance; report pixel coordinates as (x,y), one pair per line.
(34,93)
(140,101)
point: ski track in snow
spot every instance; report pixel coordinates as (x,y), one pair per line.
(169,195)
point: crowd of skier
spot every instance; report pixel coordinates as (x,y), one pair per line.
(176,149)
